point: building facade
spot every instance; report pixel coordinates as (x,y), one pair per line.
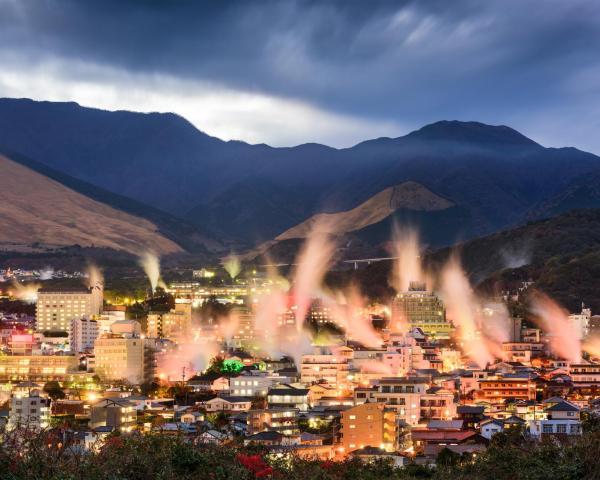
(56,308)
(82,334)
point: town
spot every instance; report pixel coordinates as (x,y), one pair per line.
(297,374)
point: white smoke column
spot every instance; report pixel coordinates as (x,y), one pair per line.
(232,266)
(26,293)
(312,264)
(554,321)
(347,309)
(95,278)
(462,307)
(194,356)
(407,264)
(151,264)
(495,326)
(47,273)
(229,326)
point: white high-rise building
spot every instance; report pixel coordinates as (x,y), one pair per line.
(29,408)
(83,334)
(581,322)
(57,307)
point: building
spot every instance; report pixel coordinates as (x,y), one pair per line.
(29,408)
(500,388)
(580,322)
(585,375)
(227,404)
(110,315)
(522,352)
(21,343)
(250,385)
(57,307)
(118,413)
(324,366)
(369,424)
(288,396)
(411,397)
(82,334)
(282,420)
(418,308)
(121,355)
(563,418)
(39,368)
(174,324)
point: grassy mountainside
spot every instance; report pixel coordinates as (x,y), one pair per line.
(35,209)
(187,236)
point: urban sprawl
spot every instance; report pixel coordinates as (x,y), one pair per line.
(433,370)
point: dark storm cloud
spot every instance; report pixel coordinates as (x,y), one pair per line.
(510,61)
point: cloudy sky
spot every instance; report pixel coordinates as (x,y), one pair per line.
(289,72)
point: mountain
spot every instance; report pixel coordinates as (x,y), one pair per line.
(39,212)
(561,254)
(408,196)
(247,194)
(581,192)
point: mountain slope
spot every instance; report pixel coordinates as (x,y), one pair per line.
(181,232)
(493,174)
(408,195)
(37,209)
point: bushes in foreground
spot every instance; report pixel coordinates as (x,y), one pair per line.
(137,456)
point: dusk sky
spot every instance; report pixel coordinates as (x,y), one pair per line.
(290,72)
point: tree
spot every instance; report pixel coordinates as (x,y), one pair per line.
(54,390)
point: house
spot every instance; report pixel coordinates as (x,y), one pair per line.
(471,415)
(282,420)
(94,439)
(226,404)
(370,454)
(212,436)
(270,438)
(209,382)
(176,428)
(118,413)
(288,396)
(432,441)
(191,417)
(490,427)
(562,419)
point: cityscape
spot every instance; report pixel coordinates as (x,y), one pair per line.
(179,299)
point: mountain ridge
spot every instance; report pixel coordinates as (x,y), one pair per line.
(251,193)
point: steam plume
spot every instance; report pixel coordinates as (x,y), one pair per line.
(407,266)
(232,266)
(463,309)
(312,264)
(554,320)
(151,265)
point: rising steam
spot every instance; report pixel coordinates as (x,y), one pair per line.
(232,266)
(151,265)
(94,276)
(554,320)
(407,263)
(464,310)
(313,262)
(26,293)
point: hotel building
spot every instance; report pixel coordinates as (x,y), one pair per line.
(57,307)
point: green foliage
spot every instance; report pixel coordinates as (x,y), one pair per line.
(231,367)
(511,455)
(54,390)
